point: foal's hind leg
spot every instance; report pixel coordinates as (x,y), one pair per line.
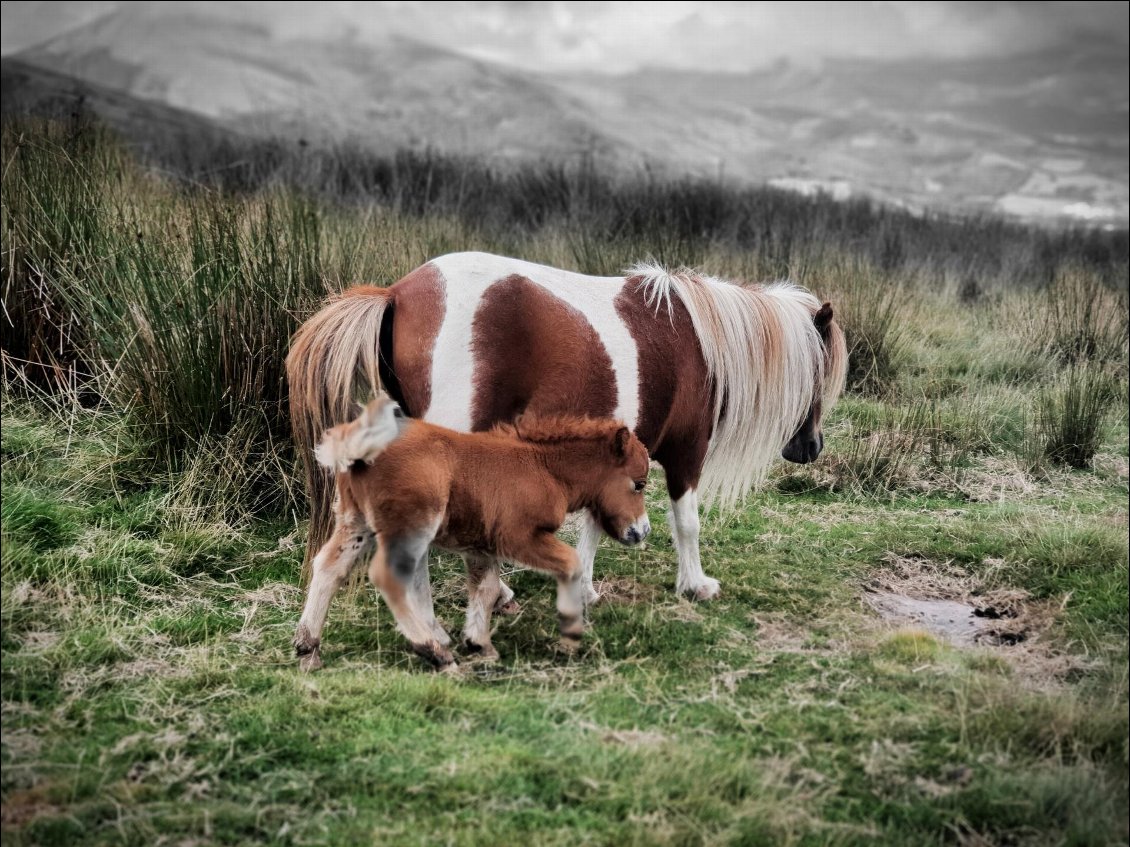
(484,590)
(351,538)
(420,592)
(393,572)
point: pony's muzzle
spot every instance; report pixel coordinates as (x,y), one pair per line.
(637,532)
(804,450)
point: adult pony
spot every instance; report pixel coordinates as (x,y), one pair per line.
(715,378)
(407,484)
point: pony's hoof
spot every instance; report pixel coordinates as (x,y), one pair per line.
(451,668)
(708,589)
(590,596)
(310,662)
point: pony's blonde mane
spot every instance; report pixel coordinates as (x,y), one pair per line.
(766,361)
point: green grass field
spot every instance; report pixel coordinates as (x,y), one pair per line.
(153,531)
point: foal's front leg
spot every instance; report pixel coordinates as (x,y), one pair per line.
(484,590)
(547,553)
(350,539)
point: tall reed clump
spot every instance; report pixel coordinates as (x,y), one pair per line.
(1072,411)
(178,306)
(1081,326)
(1076,317)
(874,310)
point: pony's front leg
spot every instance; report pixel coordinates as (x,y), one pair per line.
(587,542)
(683,519)
(350,539)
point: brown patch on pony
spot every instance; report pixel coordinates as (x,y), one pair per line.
(552,361)
(675,396)
(419,306)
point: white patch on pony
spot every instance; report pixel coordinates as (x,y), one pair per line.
(766,360)
(467,276)
(683,520)
(360,440)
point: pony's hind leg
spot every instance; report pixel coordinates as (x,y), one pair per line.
(350,539)
(484,590)
(393,572)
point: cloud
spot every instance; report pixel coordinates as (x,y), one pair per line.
(618,37)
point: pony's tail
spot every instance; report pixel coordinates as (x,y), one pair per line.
(333,358)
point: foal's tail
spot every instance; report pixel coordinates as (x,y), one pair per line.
(333,359)
(362,440)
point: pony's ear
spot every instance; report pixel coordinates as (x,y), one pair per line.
(620,442)
(823,317)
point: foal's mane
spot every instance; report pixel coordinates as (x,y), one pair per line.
(552,429)
(766,362)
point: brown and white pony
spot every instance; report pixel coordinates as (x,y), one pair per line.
(715,378)
(406,484)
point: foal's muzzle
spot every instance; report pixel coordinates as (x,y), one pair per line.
(637,532)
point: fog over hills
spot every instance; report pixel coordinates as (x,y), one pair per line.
(1041,135)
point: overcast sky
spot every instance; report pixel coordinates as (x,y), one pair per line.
(619,37)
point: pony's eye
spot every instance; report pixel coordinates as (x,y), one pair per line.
(640,484)
(397,412)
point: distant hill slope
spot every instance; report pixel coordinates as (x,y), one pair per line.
(27,89)
(1039,137)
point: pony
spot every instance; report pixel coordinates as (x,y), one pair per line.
(715,378)
(405,484)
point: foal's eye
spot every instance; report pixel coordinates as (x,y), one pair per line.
(397,412)
(640,484)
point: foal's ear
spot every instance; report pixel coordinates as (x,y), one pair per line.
(620,442)
(823,317)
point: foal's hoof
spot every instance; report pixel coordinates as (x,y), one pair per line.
(569,644)
(310,662)
(481,652)
(590,596)
(708,589)
(436,654)
(306,647)
(509,608)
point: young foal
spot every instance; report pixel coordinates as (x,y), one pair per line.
(493,495)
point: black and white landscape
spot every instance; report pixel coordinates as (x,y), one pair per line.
(1010,108)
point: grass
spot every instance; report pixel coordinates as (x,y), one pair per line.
(152,533)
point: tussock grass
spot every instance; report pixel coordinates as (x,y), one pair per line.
(1071,413)
(152,529)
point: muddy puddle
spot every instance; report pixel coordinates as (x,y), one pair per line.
(949,603)
(961,624)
